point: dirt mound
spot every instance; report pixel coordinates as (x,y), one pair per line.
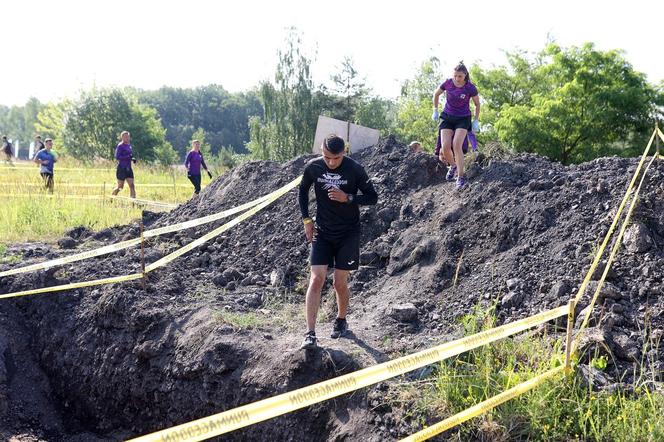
(220,326)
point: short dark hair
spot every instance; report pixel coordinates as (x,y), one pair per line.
(334,144)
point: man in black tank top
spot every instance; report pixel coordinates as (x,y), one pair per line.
(335,235)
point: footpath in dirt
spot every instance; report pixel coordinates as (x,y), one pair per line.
(221,326)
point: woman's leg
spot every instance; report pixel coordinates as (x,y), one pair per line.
(459,136)
(119,187)
(446,151)
(132,189)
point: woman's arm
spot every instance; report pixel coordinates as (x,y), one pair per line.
(476,102)
(436,97)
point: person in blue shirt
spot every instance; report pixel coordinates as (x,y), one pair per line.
(46,159)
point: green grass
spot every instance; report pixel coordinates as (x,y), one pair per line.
(559,410)
(80,198)
(240,321)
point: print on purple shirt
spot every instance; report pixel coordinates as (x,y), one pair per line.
(457,99)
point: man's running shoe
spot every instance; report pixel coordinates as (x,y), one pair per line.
(309,341)
(339,329)
(461,182)
(451,173)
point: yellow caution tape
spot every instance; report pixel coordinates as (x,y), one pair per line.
(614,251)
(482,407)
(36,166)
(253,413)
(54,196)
(73,258)
(143,202)
(75,285)
(600,251)
(147,234)
(99,185)
(251,212)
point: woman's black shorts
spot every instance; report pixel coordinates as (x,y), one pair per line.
(454,123)
(122,173)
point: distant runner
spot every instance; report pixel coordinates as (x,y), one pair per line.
(456,120)
(193,163)
(7,149)
(336,233)
(46,159)
(125,155)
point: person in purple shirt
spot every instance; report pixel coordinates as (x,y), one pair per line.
(456,120)
(193,163)
(125,155)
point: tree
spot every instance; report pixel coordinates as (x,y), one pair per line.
(415,104)
(18,122)
(351,91)
(570,104)
(223,116)
(377,113)
(51,121)
(95,121)
(290,109)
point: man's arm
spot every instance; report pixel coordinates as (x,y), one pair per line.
(303,199)
(369,197)
(303,196)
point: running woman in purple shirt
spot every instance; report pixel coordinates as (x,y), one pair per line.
(193,163)
(456,120)
(125,155)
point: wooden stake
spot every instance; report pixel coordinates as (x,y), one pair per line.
(142,251)
(568,343)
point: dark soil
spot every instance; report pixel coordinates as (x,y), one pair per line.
(221,326)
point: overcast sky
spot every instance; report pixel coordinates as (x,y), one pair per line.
(53,49)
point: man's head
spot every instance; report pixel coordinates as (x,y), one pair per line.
(333,149)
(48,143)
(4,138)
(124,136)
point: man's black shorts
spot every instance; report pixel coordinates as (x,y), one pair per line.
(454,123)
(122,173)
(342,253)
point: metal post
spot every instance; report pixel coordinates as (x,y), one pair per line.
(568,344)
(175,189)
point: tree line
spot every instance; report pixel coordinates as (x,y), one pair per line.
(569,104)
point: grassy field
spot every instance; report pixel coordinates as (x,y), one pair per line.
(81,198)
